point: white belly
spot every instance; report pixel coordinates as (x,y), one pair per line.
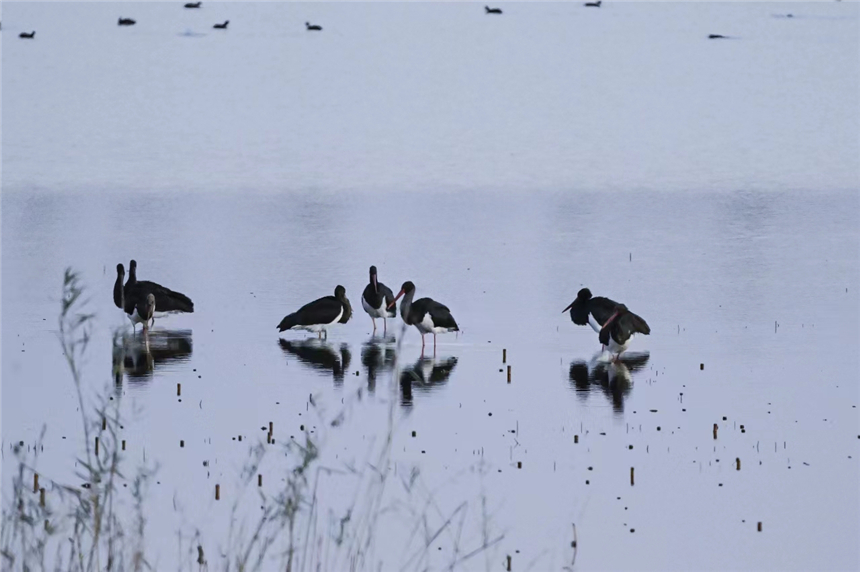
(426,326)
(616,348)
(135,317)
(593,323)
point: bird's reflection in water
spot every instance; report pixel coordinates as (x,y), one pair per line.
(612,377)
(427,374)
(137,356)
(377,356)
(321,356)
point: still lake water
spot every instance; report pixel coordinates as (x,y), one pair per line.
(501,165)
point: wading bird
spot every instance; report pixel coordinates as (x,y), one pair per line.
(427,315)
(375,300)
(319,315)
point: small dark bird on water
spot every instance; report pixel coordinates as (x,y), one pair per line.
(126,22)
(594,4)
(375,300)
(222,26)
(319,315)
(715,36)
(27,35)
(426,314)
(492,10)
(129,297)
(313,27)
(193,5)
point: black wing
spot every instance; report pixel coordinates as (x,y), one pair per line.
(166,300)
(323,311)
(623,327)
(439,313)
(347,311)
(389,298)
(374,298)
(601,308)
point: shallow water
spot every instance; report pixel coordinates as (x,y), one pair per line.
(745,263)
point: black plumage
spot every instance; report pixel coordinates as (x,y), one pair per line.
(492,10)
(378,300)
(166,300)
(221,26)
(118,298)
(316,316)
(426,314)
(313,27)
(585,305)
(621,325)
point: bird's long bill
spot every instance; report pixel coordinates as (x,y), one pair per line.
(375,285)
(568,308)
(396,298)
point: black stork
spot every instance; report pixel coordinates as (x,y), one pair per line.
(596,311)
(130,296)
(492,10)
(221,26)
(319,315)
(27,35)
(376,299)
(427,315)
(126,22)
(620,327)
(313,27)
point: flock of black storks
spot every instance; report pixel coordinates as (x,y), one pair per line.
(143,301)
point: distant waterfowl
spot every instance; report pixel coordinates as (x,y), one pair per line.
(715,36)
(193,5)
(594,4)
(313,27)
(619,328)
(319,315)
(427,315)
(126,22)
(222,26)
(134,292)
(27,35)
(492,10)
(376,299)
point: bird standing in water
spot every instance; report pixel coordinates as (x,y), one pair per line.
(134,293)
(376,299)
(426,314)
(319,315)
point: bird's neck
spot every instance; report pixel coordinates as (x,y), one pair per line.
(406,306)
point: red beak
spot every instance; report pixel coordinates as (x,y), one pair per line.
(568,308)
(396,298)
